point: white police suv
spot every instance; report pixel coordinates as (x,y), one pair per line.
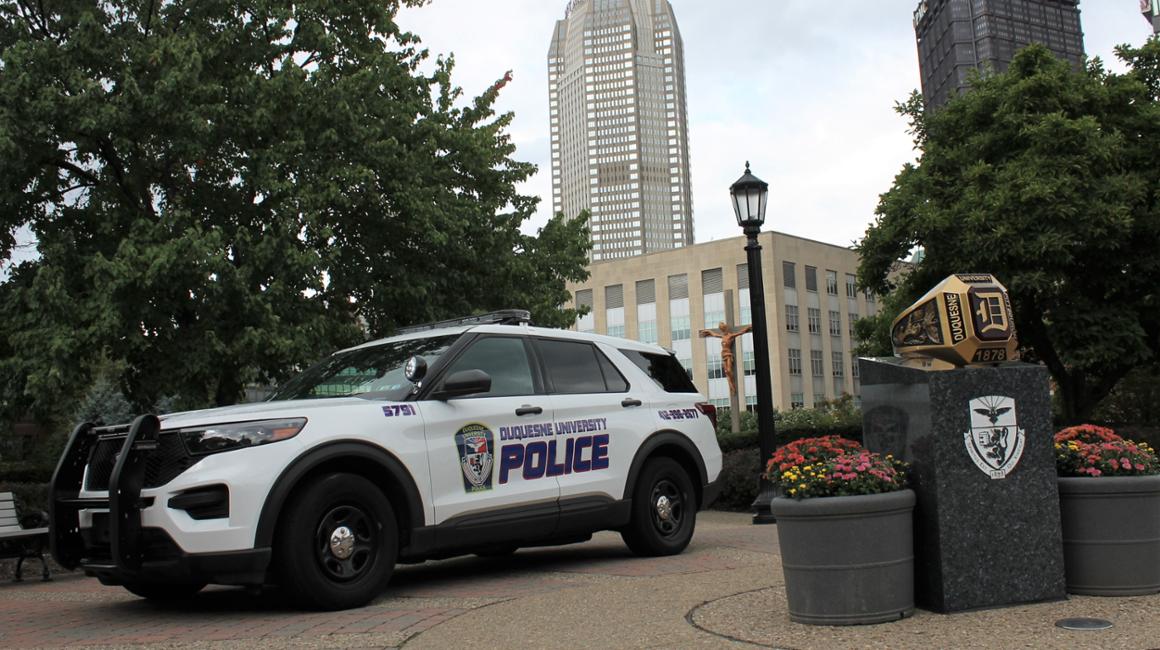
(479,435)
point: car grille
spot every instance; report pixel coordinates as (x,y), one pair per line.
(162,464)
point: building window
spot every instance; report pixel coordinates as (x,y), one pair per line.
(815,316)
(816,368)
(839,362)
(832,282)
(797,401)
(614,310)
(853,319)
(812,279)
(795,361)
(587,322)
(869,296)
(819,400)
(851,287)
(646,311)
(787,273)
(854,366)
(791,318)
(835,323)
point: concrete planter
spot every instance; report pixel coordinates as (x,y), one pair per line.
(1111,534)
(847,560)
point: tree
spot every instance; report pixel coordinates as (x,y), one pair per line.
(1049,178)
(223,191)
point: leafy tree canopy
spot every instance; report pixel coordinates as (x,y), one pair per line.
(224,191)
(1049,178)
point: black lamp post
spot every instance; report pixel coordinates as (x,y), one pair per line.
(749,200)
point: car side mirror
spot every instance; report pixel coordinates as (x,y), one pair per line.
(464,382)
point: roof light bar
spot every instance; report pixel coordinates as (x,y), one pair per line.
(501,317)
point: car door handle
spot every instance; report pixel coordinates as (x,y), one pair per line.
(628,401)
(529,410)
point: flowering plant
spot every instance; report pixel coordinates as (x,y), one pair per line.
(1089,450)
(806,451)
(832,466)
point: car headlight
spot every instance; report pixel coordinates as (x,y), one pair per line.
(216,438)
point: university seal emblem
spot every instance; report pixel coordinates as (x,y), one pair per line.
(995,441)
(475,443)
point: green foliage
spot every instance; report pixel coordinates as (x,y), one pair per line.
(838,417)
(1049,178)
(222,192)
(740,469)
(872,333)
(31,496)
(725,425)
(1135,399)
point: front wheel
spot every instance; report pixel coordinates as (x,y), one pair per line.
(337,543)
(664,510)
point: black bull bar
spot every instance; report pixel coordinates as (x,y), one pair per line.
(124,501)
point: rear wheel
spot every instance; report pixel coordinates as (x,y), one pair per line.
(664,510)
(337,543)
(164,592)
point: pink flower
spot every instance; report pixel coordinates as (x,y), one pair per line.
(1139,467)
(1125,463)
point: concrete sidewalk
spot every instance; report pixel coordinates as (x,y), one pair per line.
(724,591)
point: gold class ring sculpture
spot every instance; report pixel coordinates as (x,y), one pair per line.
(963,320)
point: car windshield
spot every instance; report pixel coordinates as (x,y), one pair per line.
(373,369)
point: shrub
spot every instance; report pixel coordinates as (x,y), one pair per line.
(31,498)
(739,473)
(1089,450)
(26,472)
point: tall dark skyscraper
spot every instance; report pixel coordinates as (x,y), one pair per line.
(956,36)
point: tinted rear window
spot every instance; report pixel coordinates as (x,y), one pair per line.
(664,369)
(574,367)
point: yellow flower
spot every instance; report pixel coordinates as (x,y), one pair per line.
(802,486)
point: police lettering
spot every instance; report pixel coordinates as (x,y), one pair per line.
(542,458)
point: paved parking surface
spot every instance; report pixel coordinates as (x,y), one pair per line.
(725,591)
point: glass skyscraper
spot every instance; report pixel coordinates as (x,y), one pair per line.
(956,36)
(620,144)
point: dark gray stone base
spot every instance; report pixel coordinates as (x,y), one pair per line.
(979,541)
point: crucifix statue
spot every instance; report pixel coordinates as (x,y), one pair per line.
(727,335)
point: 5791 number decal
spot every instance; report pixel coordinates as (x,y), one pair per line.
(393,410)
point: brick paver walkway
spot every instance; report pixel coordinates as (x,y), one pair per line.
(74,611)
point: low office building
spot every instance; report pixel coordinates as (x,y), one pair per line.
(667,297)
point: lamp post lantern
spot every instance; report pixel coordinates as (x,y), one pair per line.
(750,195)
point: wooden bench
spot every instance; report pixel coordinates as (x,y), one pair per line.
(18,542)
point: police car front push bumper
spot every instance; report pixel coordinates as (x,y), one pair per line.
(117,549)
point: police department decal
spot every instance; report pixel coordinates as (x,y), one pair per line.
(475,443)
(995,442)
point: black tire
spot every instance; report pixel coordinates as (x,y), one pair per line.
(664,510)
(337,543)
(164,592)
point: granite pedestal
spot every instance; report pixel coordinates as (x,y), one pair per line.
(987,531)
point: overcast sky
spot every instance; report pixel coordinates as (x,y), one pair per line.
(803,89)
